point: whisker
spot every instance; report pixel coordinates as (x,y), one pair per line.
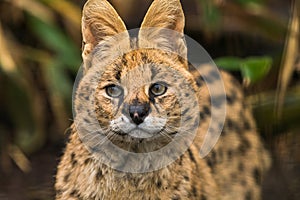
(103,139)
(172,129)
(166,135)
(185,132)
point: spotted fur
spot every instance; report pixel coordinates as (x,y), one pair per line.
(235,167)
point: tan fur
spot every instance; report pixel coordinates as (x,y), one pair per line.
(233,169)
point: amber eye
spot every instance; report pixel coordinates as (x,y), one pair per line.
(114,91)
(158,89)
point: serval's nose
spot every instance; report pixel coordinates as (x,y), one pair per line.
(138,112)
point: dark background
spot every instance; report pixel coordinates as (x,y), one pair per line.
(40,43)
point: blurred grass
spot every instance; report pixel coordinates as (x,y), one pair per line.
(289,58)
(40,54)
(38,61)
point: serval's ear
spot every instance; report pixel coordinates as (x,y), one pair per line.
(100,23)
(163,27)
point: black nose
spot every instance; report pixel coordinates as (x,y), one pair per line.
(138,112)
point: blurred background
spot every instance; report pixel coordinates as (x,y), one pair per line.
(40,42)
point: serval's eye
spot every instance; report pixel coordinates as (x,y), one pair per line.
(158,89)
(114,91)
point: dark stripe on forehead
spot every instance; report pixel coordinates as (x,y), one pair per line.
(118,66)
(118,74)
(124,60)
(145,58)
(154,71)
(155,67)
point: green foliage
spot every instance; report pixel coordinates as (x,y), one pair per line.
(252,69)
(36,71)
(66,52)
(66,57)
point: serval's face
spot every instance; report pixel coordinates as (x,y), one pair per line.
(141,96)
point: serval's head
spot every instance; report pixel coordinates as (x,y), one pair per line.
(136,88)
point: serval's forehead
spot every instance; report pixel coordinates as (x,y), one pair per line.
(146,64)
